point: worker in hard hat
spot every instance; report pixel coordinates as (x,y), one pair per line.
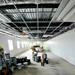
(0,47)
(1,51)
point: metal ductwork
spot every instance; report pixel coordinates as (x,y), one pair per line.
(67,8)
(72,11)
(10,2)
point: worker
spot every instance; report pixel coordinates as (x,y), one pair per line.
(5,70)
(43,57)
(35,56)
(2,57)
(1,51)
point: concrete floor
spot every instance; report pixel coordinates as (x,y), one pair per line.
(56,66)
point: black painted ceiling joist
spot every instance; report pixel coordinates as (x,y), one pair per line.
(40,24)
(48,5)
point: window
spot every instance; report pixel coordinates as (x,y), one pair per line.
(18,44)
(10,44)
(25,44)
(22,44)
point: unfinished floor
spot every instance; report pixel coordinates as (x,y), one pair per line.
(56,66)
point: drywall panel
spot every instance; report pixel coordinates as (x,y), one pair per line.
(63,46)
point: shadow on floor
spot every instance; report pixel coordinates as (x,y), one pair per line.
(30,70)
(52,62)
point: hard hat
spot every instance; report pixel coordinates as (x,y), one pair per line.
(0,47)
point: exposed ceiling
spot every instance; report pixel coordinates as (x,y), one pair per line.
(38,19)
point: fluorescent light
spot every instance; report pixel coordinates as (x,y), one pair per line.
(47,35)
(37,31)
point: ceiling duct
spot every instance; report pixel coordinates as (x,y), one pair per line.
(72,11)
(10,2)
(67,8)
(3,18)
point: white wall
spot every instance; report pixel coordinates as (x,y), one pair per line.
(4,43)
(63,46)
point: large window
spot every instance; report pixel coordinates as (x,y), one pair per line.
(18,44)
(25,44)
(22,44)
(10,44)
